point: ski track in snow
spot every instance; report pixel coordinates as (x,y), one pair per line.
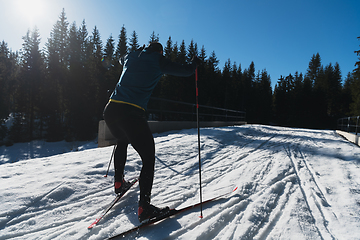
(292,184)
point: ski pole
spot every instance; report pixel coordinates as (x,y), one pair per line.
(198,129)
(111,160)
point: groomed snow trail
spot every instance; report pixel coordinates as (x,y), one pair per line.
(292,184)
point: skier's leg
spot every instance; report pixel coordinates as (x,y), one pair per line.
(125,120)
(112,116)
(145,146)
(120,160)
(141,139)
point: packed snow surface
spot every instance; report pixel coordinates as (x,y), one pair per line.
(292,184)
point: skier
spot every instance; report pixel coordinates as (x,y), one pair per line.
(125,116)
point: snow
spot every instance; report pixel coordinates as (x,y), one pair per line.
(292,184)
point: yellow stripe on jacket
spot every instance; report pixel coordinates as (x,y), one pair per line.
(134,105)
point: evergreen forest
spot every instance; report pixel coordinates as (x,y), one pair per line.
(59,92)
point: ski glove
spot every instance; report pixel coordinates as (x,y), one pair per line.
(196,60)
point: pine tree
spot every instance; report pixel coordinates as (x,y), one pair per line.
(57,63)
(192,51)
(213,62)
(134,42)
(175,52)
(8,78)
(122,48)
(95,94)
(357,64)
(202,56)
(108,53)
(111,74)
(209,80)
(4,110)
(263,98)
(73,88)
(181,58)
(318,109)
(168,48)
(307,103)
(248,80)
(58,42)
(74,48)
(314,68)
(224,86)
(36,74)
(355,106)
(346,98)
(84,43)
(332,75)
(188,84)
(280,101)
(202,76)
(298,99)
(29,91)
(154,37)
(237,87)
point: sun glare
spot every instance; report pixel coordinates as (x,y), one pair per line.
(30,10)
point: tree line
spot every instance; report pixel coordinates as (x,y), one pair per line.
(59,92)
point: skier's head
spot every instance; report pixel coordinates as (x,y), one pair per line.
(155,47)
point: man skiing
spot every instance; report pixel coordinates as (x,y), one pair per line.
(126,119)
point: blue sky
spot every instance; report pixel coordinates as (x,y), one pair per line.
(278,35)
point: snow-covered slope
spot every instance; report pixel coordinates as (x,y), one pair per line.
(292,184)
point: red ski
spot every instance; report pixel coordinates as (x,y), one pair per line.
(117,198)
(172,212)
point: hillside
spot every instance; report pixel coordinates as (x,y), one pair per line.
(292,184)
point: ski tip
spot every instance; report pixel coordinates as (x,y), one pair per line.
(235,189)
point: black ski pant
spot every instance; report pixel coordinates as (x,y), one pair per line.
(128,124)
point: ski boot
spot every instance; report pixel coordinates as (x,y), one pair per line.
(148,211)
(122,186)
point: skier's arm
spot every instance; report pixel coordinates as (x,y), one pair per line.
(176,69)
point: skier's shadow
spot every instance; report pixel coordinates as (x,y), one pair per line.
(159,230)
(170,228)
(168,166)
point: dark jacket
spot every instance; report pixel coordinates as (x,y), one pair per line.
(141,72)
